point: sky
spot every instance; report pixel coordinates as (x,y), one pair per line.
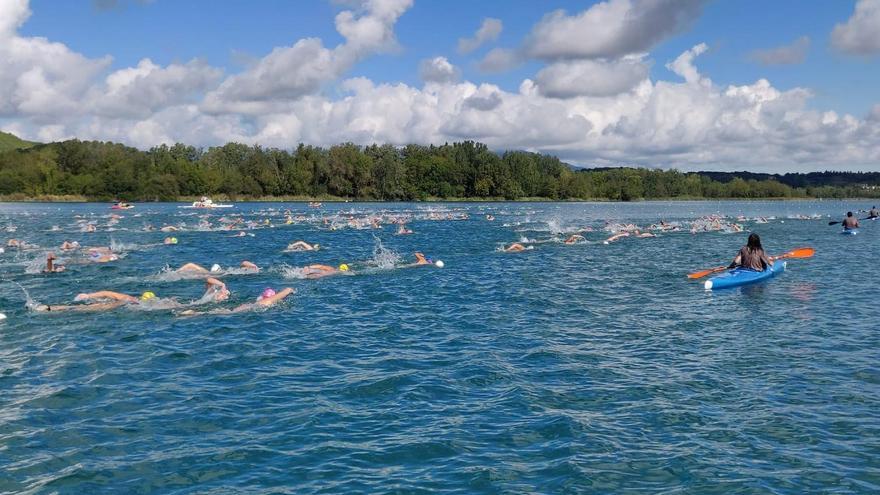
(781,86)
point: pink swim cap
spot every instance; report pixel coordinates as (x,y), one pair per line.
(267,294)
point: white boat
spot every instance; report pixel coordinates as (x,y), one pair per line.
(206,202)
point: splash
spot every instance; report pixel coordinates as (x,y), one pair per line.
(383,257)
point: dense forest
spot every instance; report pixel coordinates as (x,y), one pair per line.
(105,171)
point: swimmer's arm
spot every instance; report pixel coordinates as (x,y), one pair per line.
(212,282)
(269,301)
(248,264)
(106,294)
(192,267)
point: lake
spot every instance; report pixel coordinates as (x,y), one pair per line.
(583,368)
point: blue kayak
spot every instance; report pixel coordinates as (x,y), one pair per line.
(849,231)
(743,276)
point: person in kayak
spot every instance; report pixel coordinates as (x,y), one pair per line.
(752,256)
(850,222)
(874,213)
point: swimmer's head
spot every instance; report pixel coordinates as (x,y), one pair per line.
(146,296)
(343,267)
(439,264)
(267,293)
(174,240)
(215,268)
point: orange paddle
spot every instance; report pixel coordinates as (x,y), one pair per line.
(795,253)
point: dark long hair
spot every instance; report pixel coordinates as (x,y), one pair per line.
(754,242)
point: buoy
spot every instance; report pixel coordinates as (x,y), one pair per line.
(439,264)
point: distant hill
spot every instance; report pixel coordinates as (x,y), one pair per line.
(12,142)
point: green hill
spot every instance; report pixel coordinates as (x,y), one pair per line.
(13,142)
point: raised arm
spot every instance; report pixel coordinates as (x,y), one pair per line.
(269,301)
(106,294)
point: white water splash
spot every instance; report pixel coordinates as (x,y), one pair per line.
(383,257)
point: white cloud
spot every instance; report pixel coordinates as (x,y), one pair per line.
(13,13)
(591,77)
(610,29)
(499,60)
(140,91)
(611,112)
(794,53)
(860,34)
(438,70)
(684,65)
(289,73)
(488,31)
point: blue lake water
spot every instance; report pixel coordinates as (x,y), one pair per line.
(585,368)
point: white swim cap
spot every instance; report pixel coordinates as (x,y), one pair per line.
(439,264)
(215,268)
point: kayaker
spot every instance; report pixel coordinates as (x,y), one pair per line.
(752,256)
(874,213)
(850,222)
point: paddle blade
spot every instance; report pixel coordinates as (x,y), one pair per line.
(798,253)
(833,223)
(703,273)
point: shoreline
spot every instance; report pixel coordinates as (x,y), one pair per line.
(70,199)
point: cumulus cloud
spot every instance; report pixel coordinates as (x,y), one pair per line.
(438,70)
(140,91)
(610,29)
(488,31)
(289,73)
(568,79)
(684,65)
(499,60)
(860,34)
(13,13)
(585,109)
(794,53)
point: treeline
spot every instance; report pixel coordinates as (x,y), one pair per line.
(104,171)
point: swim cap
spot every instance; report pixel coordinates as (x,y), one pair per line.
(174,240)
(439,263)
(267,294)
(343,267)
(215,268)
(146,296)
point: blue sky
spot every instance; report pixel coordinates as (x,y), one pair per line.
(169,31)
(236,37)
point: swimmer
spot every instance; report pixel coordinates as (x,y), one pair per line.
(89,228)
(194,268)
(266,299)
(215,290)
(69,246)
(319,271)
(514,248)
(490,218)
(104,300)
(169,228)
(51,267)
(170,240)
(575,238)
(14,243)
(101,255)
(247,265)
(616,237)
(421,260)
(302,246)
(402,230)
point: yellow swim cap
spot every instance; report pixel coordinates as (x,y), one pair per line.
(174,240)
(343,267)
(146,296)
